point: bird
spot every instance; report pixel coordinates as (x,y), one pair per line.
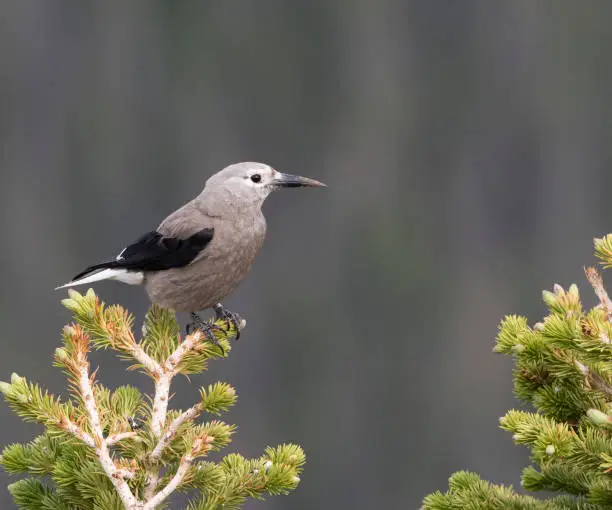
(199,254)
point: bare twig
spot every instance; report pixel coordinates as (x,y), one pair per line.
(126,473)
(162,385)
(176,480)
(601,385)
(596,282)
(172,484)
(160,406)
(114,474)
(151,483)
(158,421)
(71,427)
(152,366)
(191,414)
(595,379)
(115,438)
(160,403)
(184,347)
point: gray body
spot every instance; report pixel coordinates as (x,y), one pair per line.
(231,205)
(218,270)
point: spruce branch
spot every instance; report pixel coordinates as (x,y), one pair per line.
(189,415)
(468,490)
(564,370)
(114,449)
(110,327)
(160,404)
(78,364)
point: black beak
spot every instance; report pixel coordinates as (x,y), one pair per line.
(295,181)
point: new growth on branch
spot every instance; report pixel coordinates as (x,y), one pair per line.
(114,449)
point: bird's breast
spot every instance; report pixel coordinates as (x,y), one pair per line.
(239,241)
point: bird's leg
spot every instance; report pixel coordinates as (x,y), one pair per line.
(222,313)
(134,423)
(206,328)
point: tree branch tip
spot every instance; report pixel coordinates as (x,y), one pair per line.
(5,387)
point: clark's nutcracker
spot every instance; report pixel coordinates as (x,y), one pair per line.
(201,252)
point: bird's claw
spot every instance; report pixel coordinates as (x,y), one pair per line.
(230,318)
(134,423)
(208,332)
(206,328)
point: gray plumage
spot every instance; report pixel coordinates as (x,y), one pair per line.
(240,229)
(202,251)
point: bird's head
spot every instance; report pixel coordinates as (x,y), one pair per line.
(250,183)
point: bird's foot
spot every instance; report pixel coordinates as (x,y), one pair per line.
(134,423)
(232,318)
(205,327)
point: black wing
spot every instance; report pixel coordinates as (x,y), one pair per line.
(155,252)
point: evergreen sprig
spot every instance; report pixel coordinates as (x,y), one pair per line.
(563,370)
(112,449)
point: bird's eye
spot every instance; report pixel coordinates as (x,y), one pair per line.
(256,178)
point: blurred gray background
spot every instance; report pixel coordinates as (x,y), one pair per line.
(466,146)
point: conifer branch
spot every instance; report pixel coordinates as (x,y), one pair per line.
(160,405)
(126,474)
(564,370)
(174,360)
(162,386)
(149,364)
(191,414)
(184,466)
(151,484)
(158,421)
(77,432)
(122,446)
(85,385)
(181,472)
(115,438)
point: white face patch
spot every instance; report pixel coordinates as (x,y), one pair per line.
(237,181)
(255,184)
(260,177)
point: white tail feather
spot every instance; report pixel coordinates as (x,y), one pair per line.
(121,275)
